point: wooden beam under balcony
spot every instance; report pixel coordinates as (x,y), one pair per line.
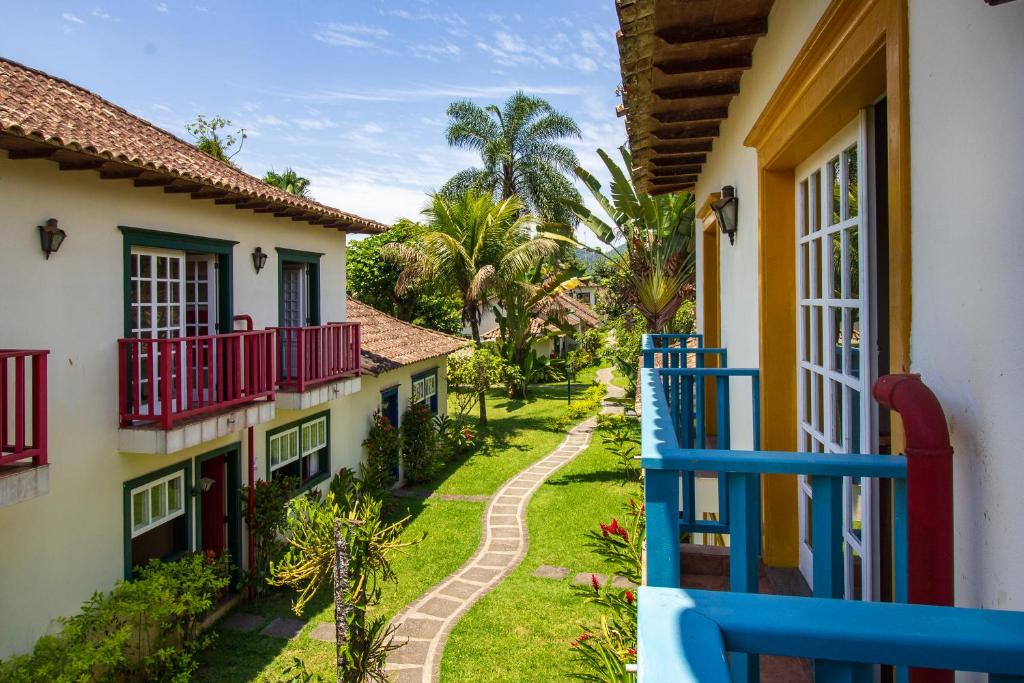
(675,159)
(686,169)
(674,180)
(120,172)
(667,189)
(182,188)
(675,67)
(687,133)
(160,181)
(696,92)
(689,34)
(209,193)
(708,115)
(681,147)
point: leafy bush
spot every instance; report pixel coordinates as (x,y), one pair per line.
(267,522)
(472,373)
(419,444)
(581,407)
(455,439)
(383,449)
(621,435)
(146,629)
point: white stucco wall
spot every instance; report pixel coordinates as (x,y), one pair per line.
(731,163)
(60,547)
(967,338)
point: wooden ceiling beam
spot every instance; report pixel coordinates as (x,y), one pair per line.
(288,213)
(675,170)
(40,153)
(682,187)
(183,188)
(120,173)
(153,182)
(739,30)
(699,91)
(251,205)
(81,164)
(679,159)
(227,201)
(675,67)
(209,193)
(681,147)
(712,114)
(673,180)
(699,133)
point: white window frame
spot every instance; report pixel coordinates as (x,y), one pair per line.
(169,515)
(302,450)
(427,388)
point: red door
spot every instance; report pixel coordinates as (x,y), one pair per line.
(213,502)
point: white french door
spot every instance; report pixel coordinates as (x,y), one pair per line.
(835,343)
(293,285)
(200,321)
(158,310)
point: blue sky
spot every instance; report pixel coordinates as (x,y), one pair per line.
(350,93)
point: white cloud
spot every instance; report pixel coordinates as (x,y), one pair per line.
(584,64)
(161,7)
(69,17)
(509,49)
(350,35)
(313,124)
(269,120)
(433,51)
(428,91)
(101,14)
(372,128)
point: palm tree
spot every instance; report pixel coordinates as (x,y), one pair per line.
(472,244)
(289,181)
(660,241)
(522,153)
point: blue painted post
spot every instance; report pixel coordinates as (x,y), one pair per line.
(661,498)
(755,391)
(721,397)
(744,555)
(686,406)
(842,672)
(827,515)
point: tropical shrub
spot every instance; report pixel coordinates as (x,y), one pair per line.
(419,444)
(146,629)
(605,650)
(267,523)
(620,434)
(383,446)
(581,407)
(455,439)
(470,374)
(348,542)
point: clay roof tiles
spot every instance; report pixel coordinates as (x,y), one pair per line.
(388,343)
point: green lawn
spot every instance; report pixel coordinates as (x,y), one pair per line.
(519,433)
(523,628)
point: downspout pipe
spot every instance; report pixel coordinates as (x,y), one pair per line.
(251,451)
(929,487)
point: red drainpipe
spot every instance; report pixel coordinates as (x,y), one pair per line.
(252,495)
(929,495)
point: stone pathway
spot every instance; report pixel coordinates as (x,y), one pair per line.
(425,624)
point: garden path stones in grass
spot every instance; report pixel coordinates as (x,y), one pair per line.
(283,627)
(425,623)
(546,571)
(325,632)
(242,622)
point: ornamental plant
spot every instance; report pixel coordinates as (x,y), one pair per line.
(620,434)
(267,521)
(383,447)
(419,444)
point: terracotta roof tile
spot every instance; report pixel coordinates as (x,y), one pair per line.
(388,343)
(38,108)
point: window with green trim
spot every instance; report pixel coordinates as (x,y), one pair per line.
(301,450)
(424,390)
(158,517)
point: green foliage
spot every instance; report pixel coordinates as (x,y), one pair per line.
(373,280)
(146,629)
(521,151)
(605,651)
(313,526)
(211,137)
(383,446)
(470,374)
(289,181)
(455,438)
(581,407)
(296,672)
(620,435)
(267,523)
(685,319)
(660,263)
(625,353)
(419,445)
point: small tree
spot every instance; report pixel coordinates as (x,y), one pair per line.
(211,137)
(349,542)
(471,374)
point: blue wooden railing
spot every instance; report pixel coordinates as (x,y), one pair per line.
(672,449)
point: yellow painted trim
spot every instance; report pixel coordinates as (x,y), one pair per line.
(856,53)
(711,303)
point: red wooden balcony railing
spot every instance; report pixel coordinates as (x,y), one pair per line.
(169,380)
(22,406)
(308,356)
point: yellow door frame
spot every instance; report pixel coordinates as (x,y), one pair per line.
(711,302)
(856,53)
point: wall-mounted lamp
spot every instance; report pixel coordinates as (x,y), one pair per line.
(204,485)
(51,237)
(259,259)
(725,211)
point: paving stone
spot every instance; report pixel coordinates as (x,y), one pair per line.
(546,571)
(481,574)
(510,500)
(504,544)
(439,607)
(414,627)
(584,578)
(412,652)
(243,622)
(505,532)
(412,675)
(495,559)
(622,582)
(503,520)
(283,627)
(459,589)
(503,509)
(324,632)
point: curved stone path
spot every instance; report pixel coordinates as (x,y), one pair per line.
(425,624)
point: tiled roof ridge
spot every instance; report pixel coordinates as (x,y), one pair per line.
(456,337)
(269,191)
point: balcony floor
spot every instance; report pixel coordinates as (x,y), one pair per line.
(152,438)
(707,568)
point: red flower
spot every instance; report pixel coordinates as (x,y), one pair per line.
(614,529)
(595,583)
(631,652)
(629,597)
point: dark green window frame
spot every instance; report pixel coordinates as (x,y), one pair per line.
(141,237)
(234,501)
(310,258)
(310,483)
(433,404)
(185,466)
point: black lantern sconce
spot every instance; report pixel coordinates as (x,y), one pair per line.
(51,237)
(259,259)
(726,210)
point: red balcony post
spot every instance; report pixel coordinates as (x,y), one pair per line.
(19,403)
(164,385)
(39,426)
(300,363)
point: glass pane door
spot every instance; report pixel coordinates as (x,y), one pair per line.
(200,321)
(834,409)
(157,296)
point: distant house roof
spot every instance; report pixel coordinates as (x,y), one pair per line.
(577,313)
(388,343)
(43,117)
